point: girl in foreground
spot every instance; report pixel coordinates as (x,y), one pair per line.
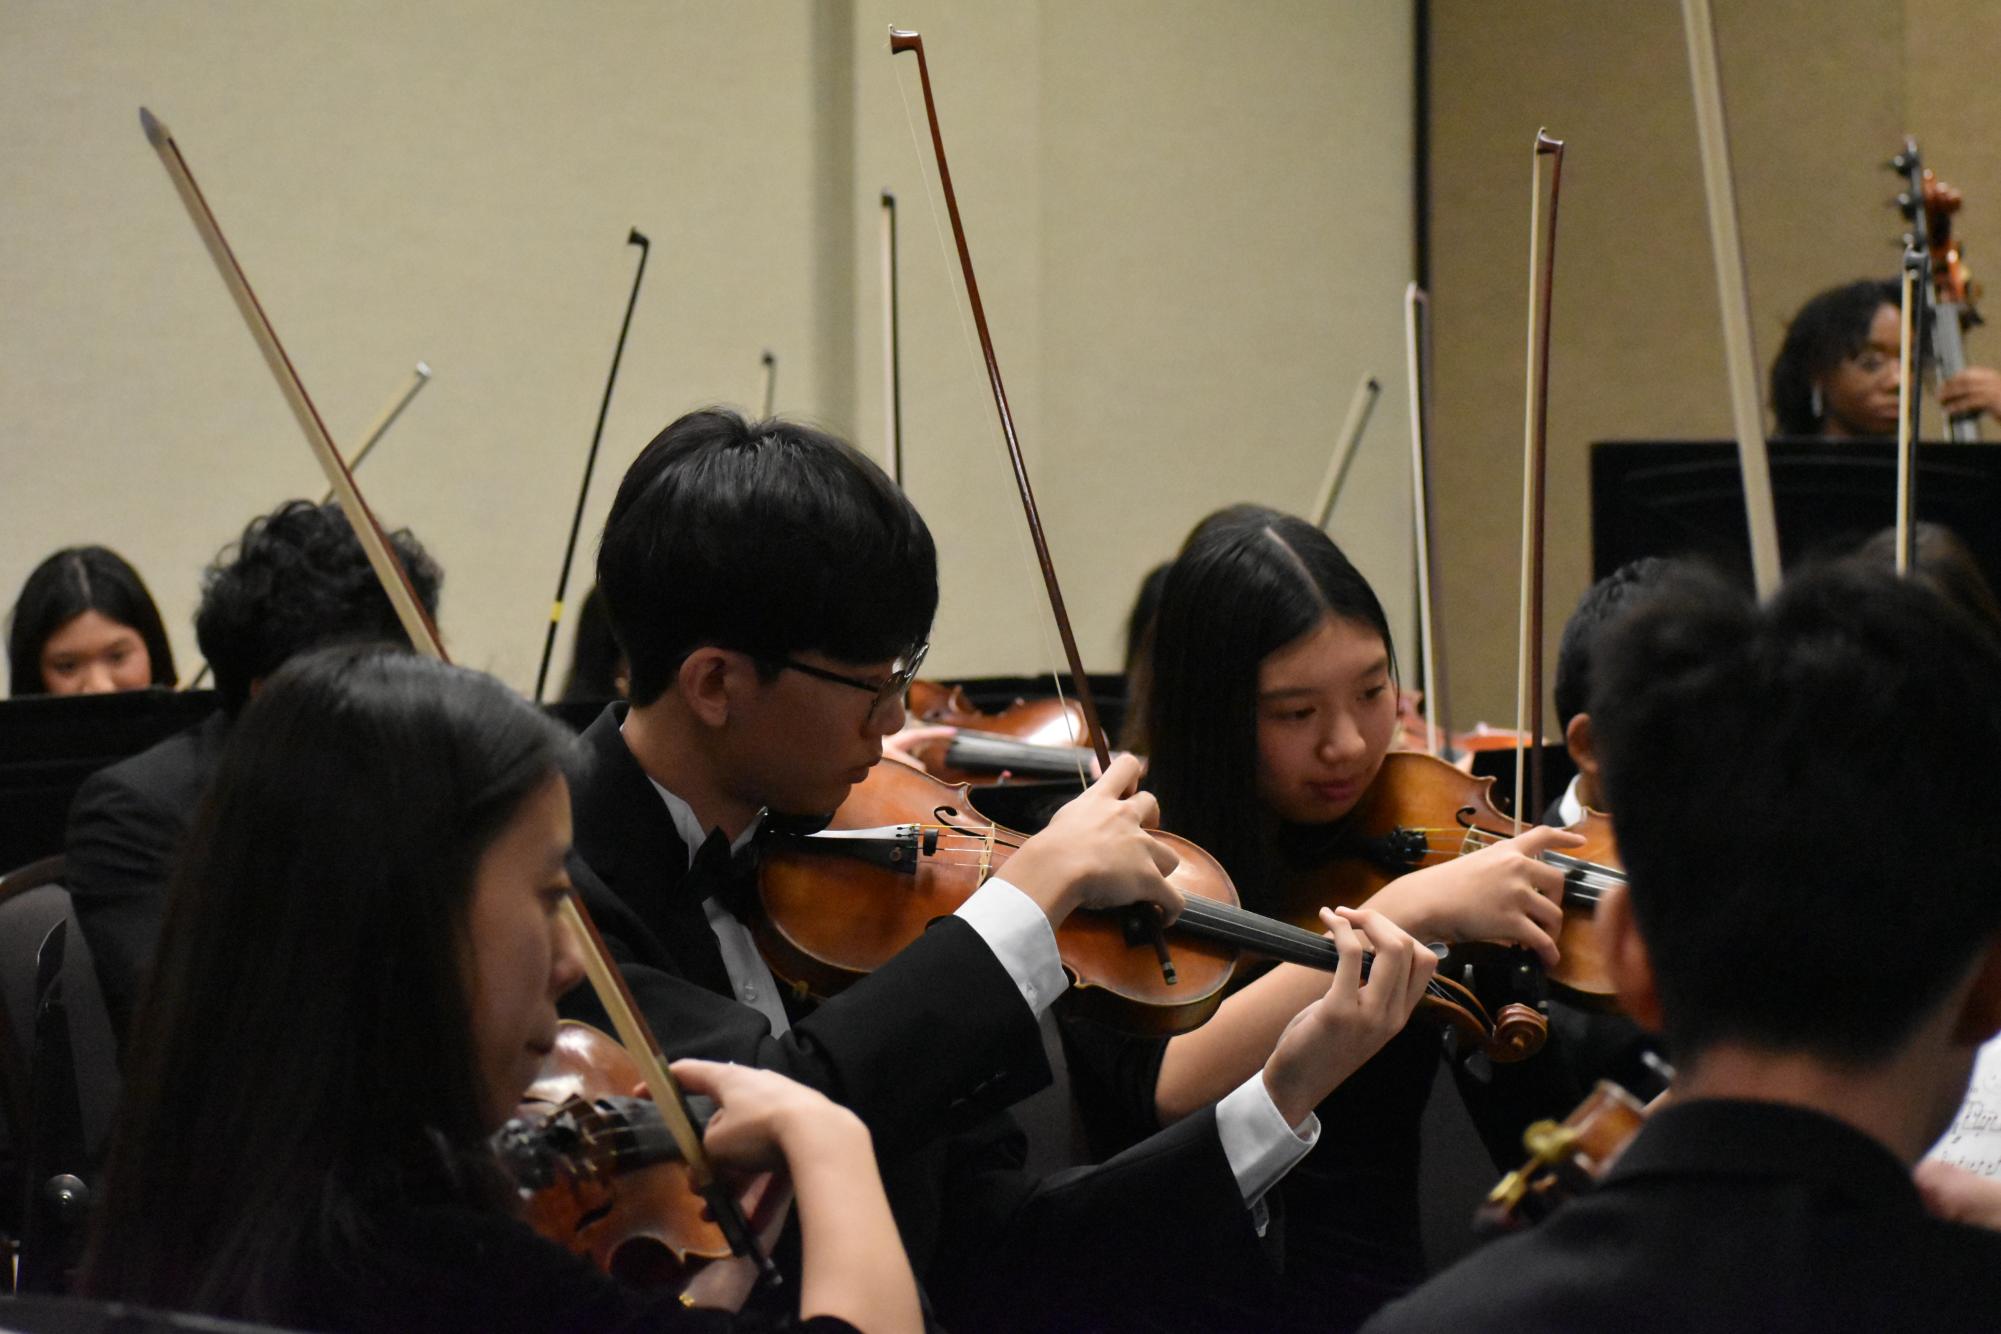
(356,981)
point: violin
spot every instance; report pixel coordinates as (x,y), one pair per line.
(905,849)
(1030,738)
(1420,811)
(599,1172)
(1566,1158)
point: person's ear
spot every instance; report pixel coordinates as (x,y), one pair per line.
(705,682)
(1980,1014)
(1582,745)
(1627,963)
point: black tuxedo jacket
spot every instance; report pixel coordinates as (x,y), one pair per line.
(924,1050)
(1728,1216)
(126,827)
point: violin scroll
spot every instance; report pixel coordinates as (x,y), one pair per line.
(1565,1158)
(1519,1033)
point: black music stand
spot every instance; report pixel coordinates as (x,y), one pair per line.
(1686,499)
(49,744)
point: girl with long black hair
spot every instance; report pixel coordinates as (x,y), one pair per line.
(85,624)
(356,981)
(1269,701)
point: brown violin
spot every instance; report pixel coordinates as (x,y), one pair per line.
(1566,1158)
(1421,811)
(1030,738)
(599,1172)
(906,849)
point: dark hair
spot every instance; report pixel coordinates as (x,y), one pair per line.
(1139,622)
(1828,330)
(303,1055)
(769,538)
(1248,582)
(597,664)
(1600,603)
(1139,649)
(65,586)
(1945,563)
(1786,776)
(298,579)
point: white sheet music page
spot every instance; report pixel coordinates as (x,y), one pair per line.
(1973,1140)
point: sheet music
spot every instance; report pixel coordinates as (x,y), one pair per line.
(1973,1140)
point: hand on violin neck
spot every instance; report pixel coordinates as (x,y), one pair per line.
(1349,1023)
(1097,853)
(764,1122)
(915,740)
(852,1263)
(1502,892)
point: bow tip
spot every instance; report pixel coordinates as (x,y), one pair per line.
(903,39)
(155,128)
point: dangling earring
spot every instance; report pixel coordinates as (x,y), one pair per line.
(1814,402)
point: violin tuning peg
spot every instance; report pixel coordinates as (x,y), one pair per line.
(1905,204)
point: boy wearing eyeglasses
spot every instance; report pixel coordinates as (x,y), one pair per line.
(773,590)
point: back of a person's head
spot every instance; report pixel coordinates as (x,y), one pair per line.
(1943,561)
(1801,790)
(768,538)
(65,586)
(1828,330)
(302,1051)
(298,579)
(1599,605)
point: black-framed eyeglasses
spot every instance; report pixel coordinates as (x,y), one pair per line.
(885,691)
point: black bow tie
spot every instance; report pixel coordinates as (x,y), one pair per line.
(728,878)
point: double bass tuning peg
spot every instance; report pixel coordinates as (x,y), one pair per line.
(1905,204)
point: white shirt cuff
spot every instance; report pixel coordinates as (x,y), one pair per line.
(1261,1147)
(1020,936)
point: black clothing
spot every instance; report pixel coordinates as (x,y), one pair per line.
(1352,1237)
(925,1050)
(1728,1215)
(450,1268)
(126,828)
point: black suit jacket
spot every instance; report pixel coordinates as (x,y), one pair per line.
(126,828)
(921,1049)
(1728,1216)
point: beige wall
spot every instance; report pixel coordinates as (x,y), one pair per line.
(1191,223)
(1819,93)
